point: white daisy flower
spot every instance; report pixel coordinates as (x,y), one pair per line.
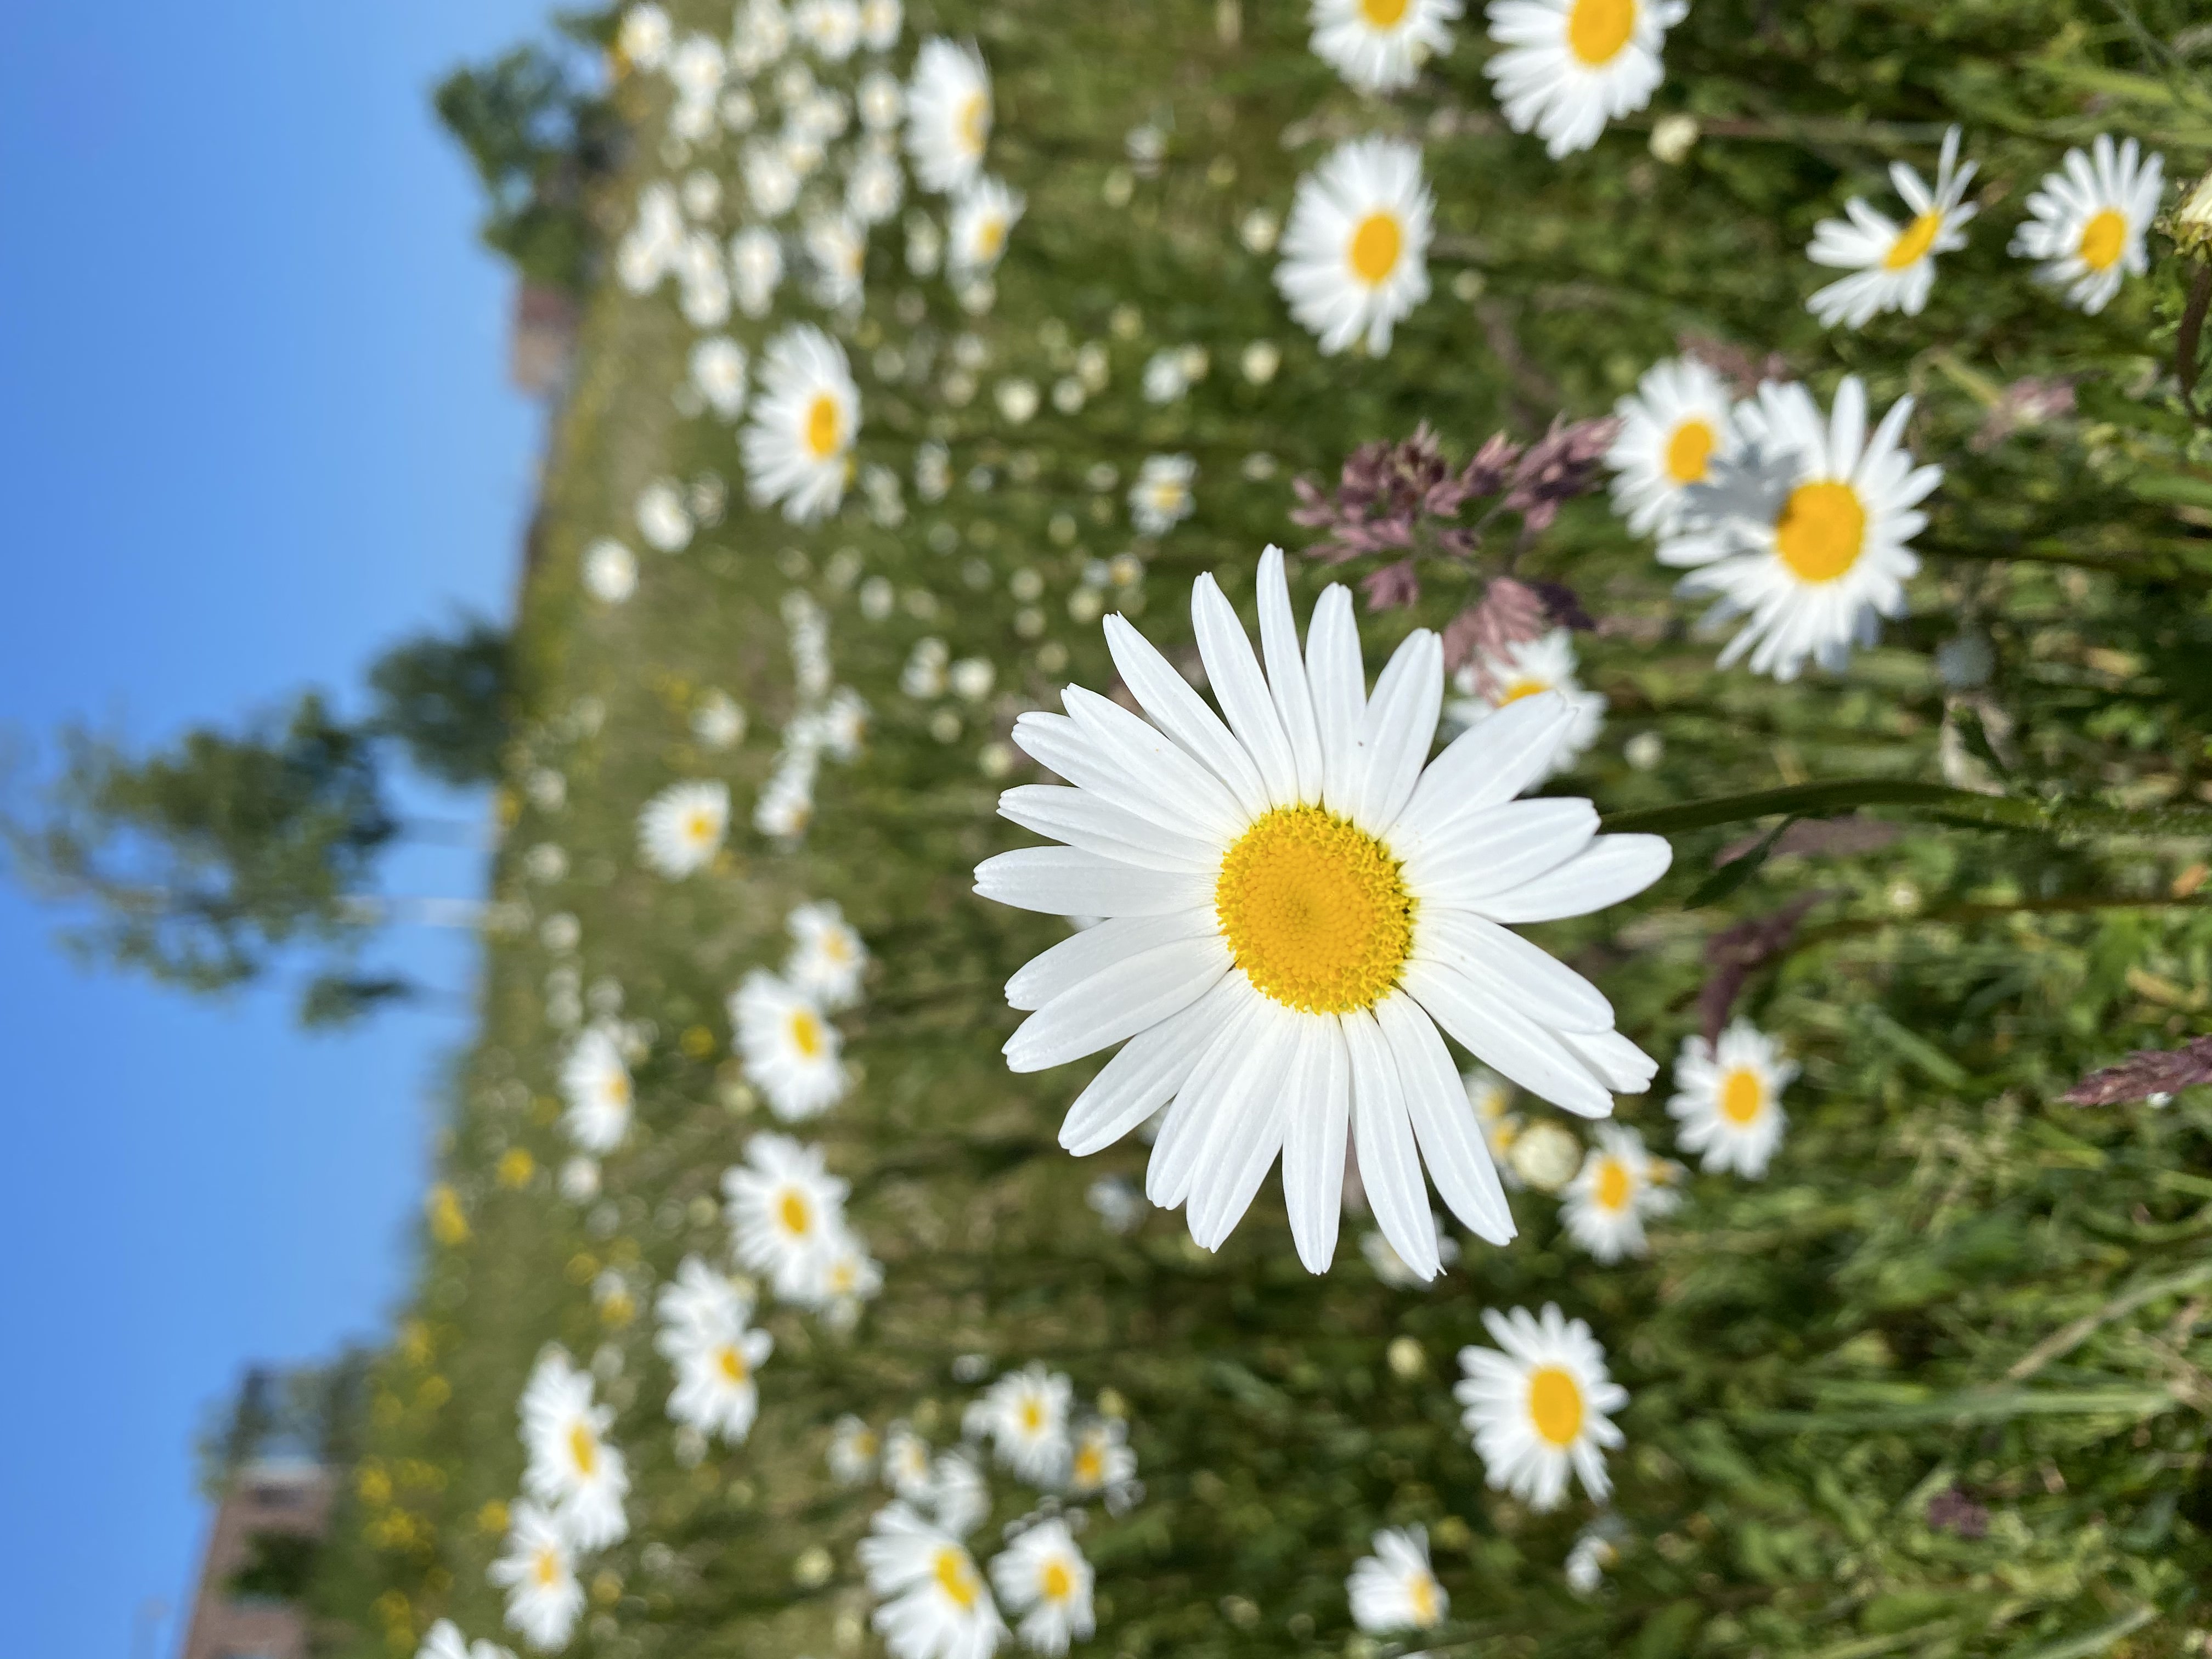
(761,35)
(828,959)
(771,182)
(572,1468)
(1024,1416)
(1393,1590)
(1678,421)
(703,280)
(1541,1407)
(756,269)
(874,188)
(1496,681)
(959,1497)
(907,1470)
(1100,1463)
(1355,253)
(595,1082)
(790,1050)
(880,23)
(702,1297)
(681,829)
(830,28)
(537,1570)
(610,571)
(1819,576)
(785,806)
(1570,66)
(648,249)
(784,1211)
(880,101)
(719,721)
(644,37)
(2087,223)
(1043,1578)
(1164,380)
(1491,1098)
(1390,1268)
(1728,1098)
(1596,1547)
(580,1180)
(444,1641)
(932,1603)
(718,373)
(1379,45)
(843,724)
(948,115)
(837,249)
(1892,266)
(850,1279)
(1604,1207)
(983,214)
(697,68)
(853,1450)
(661,517)
(799,444)
(1162,497)
(715,1363)
(1296,901)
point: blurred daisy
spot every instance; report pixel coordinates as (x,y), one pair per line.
(1491,1098)
(1392,1590)
(1673,427)
(1162,497)
(907,1468)
(661,518)
(1892,266)
(1043,1578)
(1498,680)
(644,37)
(790,1050)
(1101,1464)
(798,446)
(880,23)
(959,1497)
(595,1082)
(1297,899)
(854,1449)
(1814,568)
(697,68)
(827,958)
(2086,224)
(983,214)
(716,1392)
(1541,1407)
(537,1570)
(571,1469)
(948,115)
(1596,1547)
(933,1604)
(874,188)
(1390,1268)
(610,571)
(1619,1184)
(1379,45)
(1117,1201)
(771,182)
(1727,1099)
(755,267)
(701,1298)
(1355,253)
(784,1210)
(703,282)
(850,1280)
(681,829)
(830,28)
(718,372)
(1570,66)
(719,721)
(760,33)
(881,101)
(1024,1417)
(837,247)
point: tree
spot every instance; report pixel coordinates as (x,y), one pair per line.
(445,700)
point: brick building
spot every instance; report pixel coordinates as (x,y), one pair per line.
(271,1499)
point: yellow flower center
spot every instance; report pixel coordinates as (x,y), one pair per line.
(864,1446)
(1742,1096)
(973,122)
(1690,451)
(990,237)
(841,1276)
(797,1218)
(1912,247)
(1555,1405)
(1598,29)
(618,1088)
(1613,1185)
(584,1449)
(700,826)
(1090,1464)
(548,1567)
(1421,1591)
(1316,911)
(1822,531)
(1376,245)
(825,427)
(2103,238)
(1032,1417)
(733,1362)
(806,1033)
(1383,14)
(1055,1582)
(955,1575)
(1520,689)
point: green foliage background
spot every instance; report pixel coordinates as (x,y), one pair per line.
(1945,1279)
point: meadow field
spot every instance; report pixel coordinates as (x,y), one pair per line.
(1924,1376)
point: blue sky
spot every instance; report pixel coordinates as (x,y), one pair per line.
(253,426)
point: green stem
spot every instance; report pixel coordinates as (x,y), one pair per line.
(1935,799)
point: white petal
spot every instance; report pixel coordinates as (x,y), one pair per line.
(1619,1063)
(1135,993)
(1519,973)
(1063,881)
(1183,715)
(1400,725)
(1507,1041)
(1098,825)
(1057,743)
(1141,1079)
(1610,869)
(1497,851)
(1490,763)
(1318,1095)
(1146,753)
(1382,1138)
(1079,956)
(1444,1121)
(1246,1135)
(1340,698)
(1287,678)
(1234,673)
(1182,1136)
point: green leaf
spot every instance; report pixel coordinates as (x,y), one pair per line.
(1730,876)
